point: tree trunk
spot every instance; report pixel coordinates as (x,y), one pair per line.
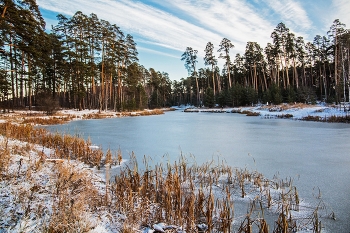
(336,60)
(325,81)
(278,74)
(282,69)
(102,86)
(29,85)
(336,68)
(212,70)
(286,61)
(219,83)
(264,75)
(4,12)
(344,75)
(229,74)
(255,78)
(12,75)
(296,79)
(304,76)
(106,96)
(321,79)
(348,73)
(21,81)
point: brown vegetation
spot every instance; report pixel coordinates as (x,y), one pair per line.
(39,118)
(65,146)
(285,116)
(51,193)
(250,113)
(284,107)
(330,119)
(46,121)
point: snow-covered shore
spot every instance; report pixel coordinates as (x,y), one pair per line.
(294,111)
(66,115)
(34,185)
(316,112)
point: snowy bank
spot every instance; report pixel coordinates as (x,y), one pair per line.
(39,193)
(66,115)
(317,112)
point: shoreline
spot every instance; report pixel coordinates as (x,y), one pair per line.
(66,115)
(318,112)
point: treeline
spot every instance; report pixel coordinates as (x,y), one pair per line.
(286,70)
(84,62)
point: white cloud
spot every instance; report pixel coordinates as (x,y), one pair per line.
(292,12)
(178,24)
(341,9)
(293,15)
(156,52)
(210,21)
(136,18)
(233,19)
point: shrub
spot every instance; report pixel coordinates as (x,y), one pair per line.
(249,113)
(46,103)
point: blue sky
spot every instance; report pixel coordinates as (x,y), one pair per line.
(163,29)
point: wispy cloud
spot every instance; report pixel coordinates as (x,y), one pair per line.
(153,51)
(233,19)
(341,9)
(136,18)
(292,13)
(207,20)
(177,24)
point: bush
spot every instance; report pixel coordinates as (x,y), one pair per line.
(45,102)
(273,95)
(209,99)
(306,95)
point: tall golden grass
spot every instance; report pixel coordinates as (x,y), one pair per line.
(330,119)
(46,120)
(65,146)
(38,118)
(61,200)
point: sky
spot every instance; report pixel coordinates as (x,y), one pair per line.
(163,29)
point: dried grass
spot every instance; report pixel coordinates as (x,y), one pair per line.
(46,120)
(47,195)
(65,146)
(184,196)
(330,119)
(4,158)
(39,118)
(284,107)
(74,197)
(250,113)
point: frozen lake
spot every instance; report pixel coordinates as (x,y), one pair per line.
(316,155)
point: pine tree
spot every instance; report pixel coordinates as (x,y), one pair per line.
(209,59)
(225,46)
(190,58)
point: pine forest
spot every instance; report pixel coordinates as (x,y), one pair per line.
(88,63)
